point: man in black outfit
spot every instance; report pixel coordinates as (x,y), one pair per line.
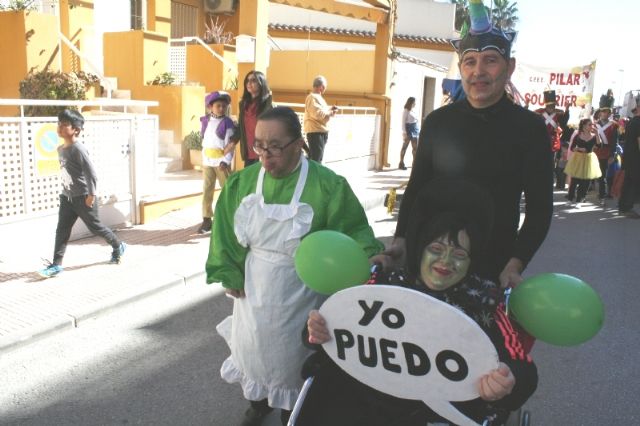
(491,141)
(631,166)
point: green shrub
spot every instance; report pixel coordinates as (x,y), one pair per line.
(164,79)
(193,141)
(16,5)
(54,85)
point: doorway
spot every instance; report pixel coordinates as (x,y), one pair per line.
(428,96)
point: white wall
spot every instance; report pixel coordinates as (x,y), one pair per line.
(415,17)
(408,79)
(109,16)
(425,18)
(435,56)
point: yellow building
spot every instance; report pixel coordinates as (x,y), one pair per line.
(374,53)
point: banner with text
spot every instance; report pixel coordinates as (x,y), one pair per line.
(573,85)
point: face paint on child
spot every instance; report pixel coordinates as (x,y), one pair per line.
(445,263)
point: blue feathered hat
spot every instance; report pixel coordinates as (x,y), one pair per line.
(482,35)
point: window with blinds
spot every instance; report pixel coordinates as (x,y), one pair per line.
(184,20)
(137,21)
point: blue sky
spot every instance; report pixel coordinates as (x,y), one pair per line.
(559,33)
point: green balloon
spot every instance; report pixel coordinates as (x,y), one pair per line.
(557,309)
(329,261)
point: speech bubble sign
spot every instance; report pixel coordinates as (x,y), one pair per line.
(409,345)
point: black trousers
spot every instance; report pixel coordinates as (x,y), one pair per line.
(317,142)
(582,185)
(262,406)
(334,402)
(561,178)
(68,213)
(603,188)
(629,189)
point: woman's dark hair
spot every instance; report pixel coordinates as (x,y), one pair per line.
(72,116)
(262,82)
(444,207)
(410,102)
(287,117)
(582,123)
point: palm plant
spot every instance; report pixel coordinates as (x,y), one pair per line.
(504,14)
(462,13)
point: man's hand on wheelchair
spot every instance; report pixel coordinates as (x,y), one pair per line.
(497,384)
(317,328)
(392,256)
(511,274)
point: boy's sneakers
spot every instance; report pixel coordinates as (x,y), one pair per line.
(116,256)
(50,271)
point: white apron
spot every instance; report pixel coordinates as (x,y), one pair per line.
(264,332)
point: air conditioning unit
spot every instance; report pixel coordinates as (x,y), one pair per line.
(219,6)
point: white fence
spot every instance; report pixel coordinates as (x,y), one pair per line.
(122,147)
(354,138)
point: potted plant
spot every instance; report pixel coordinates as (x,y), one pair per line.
(215,33)
(193,142)
(56,85)
(17,5)
(163,79)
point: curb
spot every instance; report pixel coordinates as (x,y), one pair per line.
(33,333)
(75,318)
(117,301)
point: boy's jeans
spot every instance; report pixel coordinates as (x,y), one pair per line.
(68,213)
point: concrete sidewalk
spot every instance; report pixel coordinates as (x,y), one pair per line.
(167,252)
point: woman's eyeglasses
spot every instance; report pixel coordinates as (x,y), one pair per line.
(274,150)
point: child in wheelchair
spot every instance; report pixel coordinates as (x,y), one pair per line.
(450,222)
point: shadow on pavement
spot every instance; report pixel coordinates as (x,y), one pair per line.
(170,376)
(158,237)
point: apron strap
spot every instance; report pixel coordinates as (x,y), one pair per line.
(302,180)
(260,180)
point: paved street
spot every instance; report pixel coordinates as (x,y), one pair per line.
(594,383)
(156,361)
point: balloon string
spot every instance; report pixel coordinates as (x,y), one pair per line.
(375,270)
(507,294)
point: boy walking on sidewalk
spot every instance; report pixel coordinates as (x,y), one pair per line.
(77,199)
